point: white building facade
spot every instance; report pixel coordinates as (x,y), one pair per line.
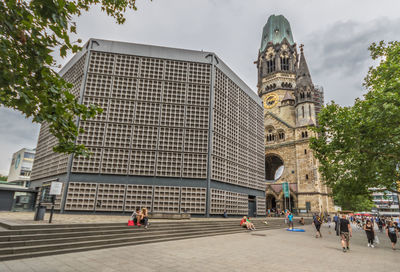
(21,166)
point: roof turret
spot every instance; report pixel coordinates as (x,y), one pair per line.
(287,96)
(275,31)
(303,77)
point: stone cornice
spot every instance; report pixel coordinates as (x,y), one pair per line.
(288,143)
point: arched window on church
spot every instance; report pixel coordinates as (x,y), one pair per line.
(271,65)
(281,135)
(308,95)
(285,63)
(302,110)
(270,134)
(309,110)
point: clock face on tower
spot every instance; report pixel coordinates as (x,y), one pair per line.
(270,101)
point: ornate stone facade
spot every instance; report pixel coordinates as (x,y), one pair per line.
(291,105)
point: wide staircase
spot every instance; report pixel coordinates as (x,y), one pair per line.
(25,241)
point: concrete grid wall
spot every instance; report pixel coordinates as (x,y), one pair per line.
(155,117)
(238,136)
(155,124)
(47,162)
(83,196)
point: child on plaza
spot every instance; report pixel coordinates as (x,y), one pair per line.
(290,218)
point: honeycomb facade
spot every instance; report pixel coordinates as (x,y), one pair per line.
(176,125)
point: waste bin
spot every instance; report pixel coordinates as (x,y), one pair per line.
(40,212)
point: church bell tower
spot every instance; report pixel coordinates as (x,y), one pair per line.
(291,104)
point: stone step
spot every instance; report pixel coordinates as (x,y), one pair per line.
(47,241)
(31,241)
(120,230)
(71,228)
(55,244)
(108,244)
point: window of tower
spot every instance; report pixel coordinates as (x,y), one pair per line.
(281,135)
(308,95)
(302,110)
(271,65)
(270,137)
(285,63)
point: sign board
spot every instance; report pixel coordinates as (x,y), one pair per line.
(285,187)
(55,188)
(338,208)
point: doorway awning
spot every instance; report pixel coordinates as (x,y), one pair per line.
(277,187)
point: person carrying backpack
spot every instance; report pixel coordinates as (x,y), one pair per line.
(317,223)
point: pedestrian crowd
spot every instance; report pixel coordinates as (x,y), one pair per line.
(343,227)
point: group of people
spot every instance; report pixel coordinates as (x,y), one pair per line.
(274,212)
(140,217)
(344,230)
(245,223)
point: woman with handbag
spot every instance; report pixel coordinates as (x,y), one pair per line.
(369,230)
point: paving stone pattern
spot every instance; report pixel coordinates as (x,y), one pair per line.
(272,250)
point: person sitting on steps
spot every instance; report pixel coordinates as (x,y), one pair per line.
(137,217)
(145,218)
(245,222)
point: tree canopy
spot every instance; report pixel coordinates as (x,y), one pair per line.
(359,146)
(31,34)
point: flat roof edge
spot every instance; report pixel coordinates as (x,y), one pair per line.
(155,51)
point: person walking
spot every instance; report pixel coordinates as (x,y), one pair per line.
(380,224)
(345,232)
(317,223)
(392,232)
(369,230)
(336,220)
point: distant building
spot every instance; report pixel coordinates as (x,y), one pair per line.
(21,167)
(387,203)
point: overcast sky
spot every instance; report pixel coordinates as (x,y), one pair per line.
(336,35)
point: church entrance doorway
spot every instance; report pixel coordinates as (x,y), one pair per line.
(271,202)
(273,167)
(289,204)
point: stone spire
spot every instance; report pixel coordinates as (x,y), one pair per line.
(303,77)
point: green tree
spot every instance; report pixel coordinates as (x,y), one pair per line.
(31,33)
(3,178)
(359,146)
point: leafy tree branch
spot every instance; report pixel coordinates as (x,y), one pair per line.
(31,33)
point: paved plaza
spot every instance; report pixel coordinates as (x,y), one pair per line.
(272,250)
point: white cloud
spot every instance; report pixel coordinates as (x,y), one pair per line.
(336,34)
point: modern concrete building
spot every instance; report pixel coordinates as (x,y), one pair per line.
(180,132)
(386,203)
(21,167)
